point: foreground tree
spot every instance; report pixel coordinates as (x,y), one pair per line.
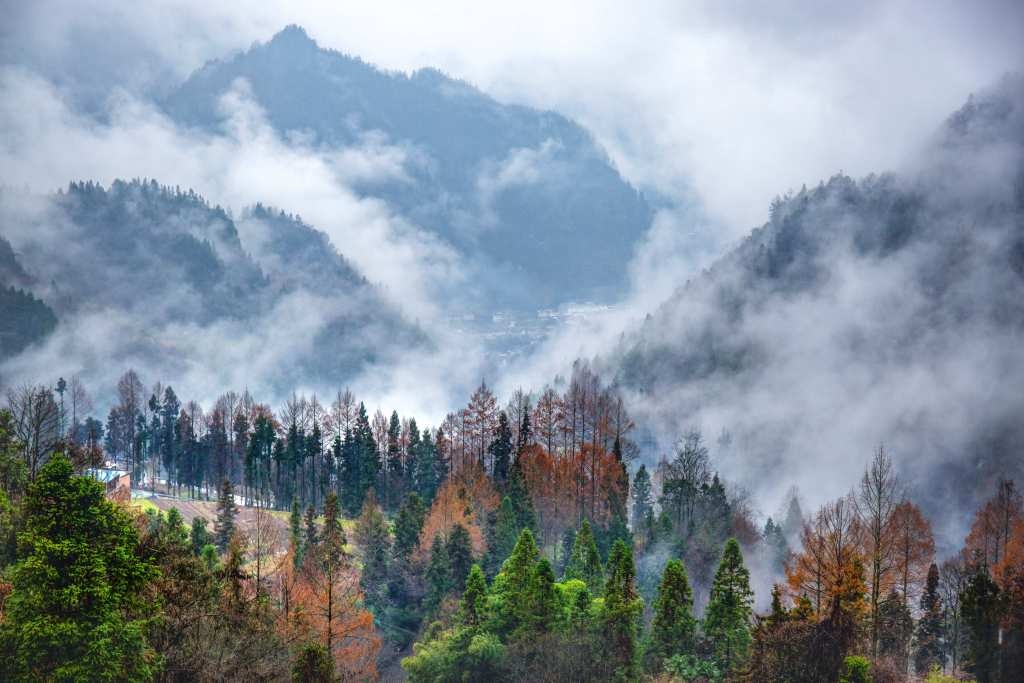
(75,611)
(672,632)
(227,512)
(727,620)
(622,609)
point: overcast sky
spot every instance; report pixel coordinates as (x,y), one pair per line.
(731,101)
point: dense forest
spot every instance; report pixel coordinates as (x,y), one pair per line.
(515,541)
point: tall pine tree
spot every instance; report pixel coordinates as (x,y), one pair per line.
(585,562)
(727,619)
(673,628)
(227,512)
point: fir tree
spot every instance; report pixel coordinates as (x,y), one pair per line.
(541,600)
(227,513)
(313,664)
(673,628)
(729,610)
(895,627)
(199,535)
(622,609)
(310,533)
(372,536)
(460,555)
(980,606)
(519,494)
(295,533)
(408,525)
(439,575)
(76,609)
(500,450)
(643,501)
(778,613)
(506,532)
(584,561)
(929,650)
(474,598)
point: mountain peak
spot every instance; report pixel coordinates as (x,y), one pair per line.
(293,37)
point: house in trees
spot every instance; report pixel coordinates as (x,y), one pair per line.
(118,483)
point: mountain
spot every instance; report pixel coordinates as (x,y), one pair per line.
(518,192)
(150,275)
(888,309)
(25,319)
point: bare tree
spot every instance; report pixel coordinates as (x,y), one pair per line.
(81,403)
(129,393)
(36,424)
(876,500)
(953,577)
(264,542)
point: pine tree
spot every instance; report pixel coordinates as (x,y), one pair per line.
(310,534)
(622,609)
(199,535)
(439,575)
(895,627)
(980,607)
(227,513)
(76,609)
(460,555)
(372,536)
(474,598)
(728,614)
(928,639)
(643,502)
(408,525)
(393,466)
(500,450)
(295,533)
(673,628)
(506,532)
(779,613)
(585,562)
(519,494)
(541,600)
(427,474)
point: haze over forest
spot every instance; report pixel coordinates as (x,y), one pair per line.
(651,280)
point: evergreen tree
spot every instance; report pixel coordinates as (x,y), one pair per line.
(525,436)
(541,599)
(227,513)
(474,598)
(500,451)
(460,555)
(585,562)
(310,533)
(928,639)
(775,543)
(76,610)
(673,628)
(439,575)
(313,664)
(728,614)
(778,614)
(351,472)
(373,537)
(506,532)
(980,606)
(427,473)
(519,494)
(199,535)
(622,609)
(393,465)
(408,525)
(643,501)
(895,627)
(369,457)
(295,533)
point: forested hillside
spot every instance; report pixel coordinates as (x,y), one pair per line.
(888,305)
(514,541)
(515,190)
(170,267)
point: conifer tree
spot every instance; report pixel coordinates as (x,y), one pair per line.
(980,606)
(199,535)
(727,618)
(460,555)
(541,599)
(643,501)
(474,598)
(778,613)
(295,533)
(439,575)
(408,525)
(929,647)
(622,608)
(310,534)
(518,568)
(372,536)
(585,562)
(519,494)
(506,532)
(76,608)
(673,628)
(895,627)
(500,450)
(227,512)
